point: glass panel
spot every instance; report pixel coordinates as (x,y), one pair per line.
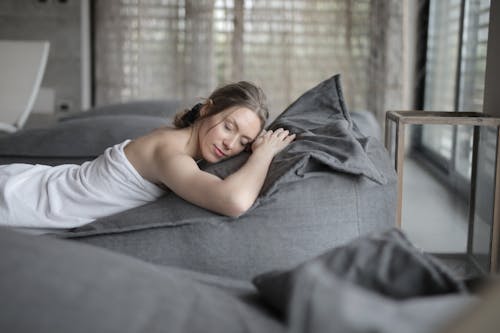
(463,152)
(438,139)
(434,211)
(485,182)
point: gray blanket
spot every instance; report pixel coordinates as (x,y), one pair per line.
(376,283)
(323,302)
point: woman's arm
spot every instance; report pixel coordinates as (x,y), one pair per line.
(233,195)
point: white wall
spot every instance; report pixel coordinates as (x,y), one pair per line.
(64,24)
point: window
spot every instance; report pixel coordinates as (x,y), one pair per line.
(454,81)
(457,37)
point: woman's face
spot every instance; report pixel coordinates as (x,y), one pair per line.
(227,133)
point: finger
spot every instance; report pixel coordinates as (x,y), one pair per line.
(280,132)
(259,138)
(290,138)
(283,136)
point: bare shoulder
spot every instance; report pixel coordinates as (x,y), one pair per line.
(169,154)
(146,144)
(147,152)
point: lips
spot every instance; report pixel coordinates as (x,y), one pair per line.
(219,153)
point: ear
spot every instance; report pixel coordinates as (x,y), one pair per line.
(204,110)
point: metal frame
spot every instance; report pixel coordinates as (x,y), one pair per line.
(476,119)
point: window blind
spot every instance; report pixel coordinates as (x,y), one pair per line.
(180,49)
(456,55)
(442,55)
(473,64)
(455,72)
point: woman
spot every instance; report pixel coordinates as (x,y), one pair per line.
(137,171)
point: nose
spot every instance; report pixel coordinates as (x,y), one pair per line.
(230,141)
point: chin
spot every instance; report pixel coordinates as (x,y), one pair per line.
(209,158)
(219,159)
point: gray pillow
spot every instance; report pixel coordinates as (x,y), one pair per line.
(82,138)
(326,140)
(50,285)
(323,302)
(315,108)
(385,263)
(155,108)
(367,124)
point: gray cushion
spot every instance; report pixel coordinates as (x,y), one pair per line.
(156,108)
(306,205)
(84,138)
(367,123)
(324,302)
(385,263)
(50,285)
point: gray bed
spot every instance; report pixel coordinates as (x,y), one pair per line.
(171,266)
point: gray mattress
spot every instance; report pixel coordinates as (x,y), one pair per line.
(334,183)
(375,283)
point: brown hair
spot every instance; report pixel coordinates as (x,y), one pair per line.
(243,94)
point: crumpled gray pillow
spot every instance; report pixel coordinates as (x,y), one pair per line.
(385,263)
(330,148)
(323,302)
(315,108)
(326,141)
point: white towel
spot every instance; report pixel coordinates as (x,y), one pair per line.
(70,195)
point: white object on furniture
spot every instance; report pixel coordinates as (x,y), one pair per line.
(22,65)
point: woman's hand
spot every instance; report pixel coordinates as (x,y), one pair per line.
(272,142)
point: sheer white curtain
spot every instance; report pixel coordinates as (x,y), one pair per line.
(182,49)
(153,49)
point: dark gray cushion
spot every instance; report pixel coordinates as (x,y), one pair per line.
(80,138)
(384,263)
(325,302)
(50,285)
(315,196)
(155,108)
